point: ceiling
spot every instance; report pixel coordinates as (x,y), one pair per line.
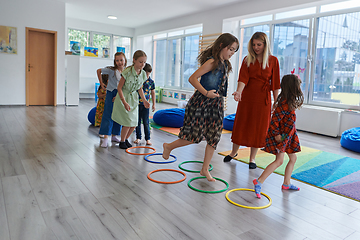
(137,13)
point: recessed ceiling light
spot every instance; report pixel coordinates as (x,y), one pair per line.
(112,17)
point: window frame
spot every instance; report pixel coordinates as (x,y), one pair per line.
(312,49)
(91,41)
(167,39)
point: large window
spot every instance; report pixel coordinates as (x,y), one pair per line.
(175,57)
(290,46)
(79,36)
(190,63)
(159,62)
(337,62)
(107,44)
(323,49)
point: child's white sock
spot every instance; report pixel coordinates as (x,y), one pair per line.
(115,139)
(104,143)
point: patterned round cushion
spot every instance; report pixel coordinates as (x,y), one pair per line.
(350,139)
(172,117)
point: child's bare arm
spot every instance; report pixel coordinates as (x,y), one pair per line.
(153,97)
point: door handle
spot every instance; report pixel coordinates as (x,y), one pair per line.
(29,66)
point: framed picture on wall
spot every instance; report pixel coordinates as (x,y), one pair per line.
(91,52)
(183,96)
(176,95)
(164,93)
(8,40)
(106,53)
(75,47)
(170,94)
(120,49)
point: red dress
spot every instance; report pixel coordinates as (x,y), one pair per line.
(254,110)
(282,123)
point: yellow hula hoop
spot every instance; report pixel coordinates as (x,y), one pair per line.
(243,206)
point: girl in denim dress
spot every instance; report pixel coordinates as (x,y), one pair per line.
(204,112)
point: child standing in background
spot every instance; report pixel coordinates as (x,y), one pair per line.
(148,87)
(101,93)
(204,112)
(126,103)
(282,136)
(107,126)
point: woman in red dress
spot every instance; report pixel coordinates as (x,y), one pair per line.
(259,75)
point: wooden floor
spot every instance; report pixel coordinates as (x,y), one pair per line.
(57,183)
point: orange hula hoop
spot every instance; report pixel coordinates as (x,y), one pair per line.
(159,170)
(127,150)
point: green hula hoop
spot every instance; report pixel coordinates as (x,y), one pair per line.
(187,170)
(205,191)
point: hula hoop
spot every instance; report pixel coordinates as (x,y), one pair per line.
(187,170)
(173,170)
(127,150)
(146,158)
(243,206)
(205,191)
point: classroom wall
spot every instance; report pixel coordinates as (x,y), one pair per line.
(21,14)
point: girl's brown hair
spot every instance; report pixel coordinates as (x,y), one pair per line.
(291,92)
(251,56)
(137,54)
(223,41)
(115,55)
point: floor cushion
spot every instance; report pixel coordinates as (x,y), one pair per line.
(91,115)
(172,117)
(350,139)
(228,122)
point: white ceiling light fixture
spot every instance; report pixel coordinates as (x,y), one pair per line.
(112,17)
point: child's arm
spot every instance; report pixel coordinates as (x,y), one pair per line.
(206,67)
(121,94)
(153,97)
(100,78)
(142,96)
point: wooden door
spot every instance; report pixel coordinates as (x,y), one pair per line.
(40,67)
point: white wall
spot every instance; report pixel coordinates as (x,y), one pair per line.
(21,14)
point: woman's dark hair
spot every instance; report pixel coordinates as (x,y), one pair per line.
(291,92)
(223,41)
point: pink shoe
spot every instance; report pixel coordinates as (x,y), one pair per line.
(290,187)
(257,187)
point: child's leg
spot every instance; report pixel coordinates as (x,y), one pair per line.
(124,132)
(253,152)
(168,147)
(272,167)
(106,122)
(138,128)
(209,152)
(268,170)
(288,171)
(146,124)
(131,129)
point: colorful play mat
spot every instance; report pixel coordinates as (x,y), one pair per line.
(333,172)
